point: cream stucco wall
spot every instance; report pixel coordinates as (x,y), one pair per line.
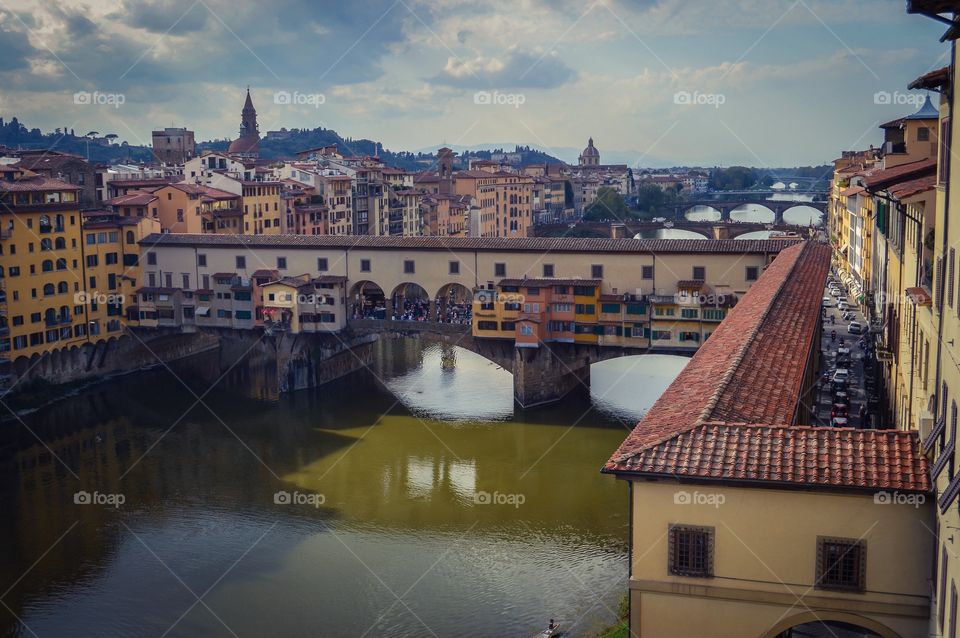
(765,559)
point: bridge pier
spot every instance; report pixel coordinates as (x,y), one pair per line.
(547,374)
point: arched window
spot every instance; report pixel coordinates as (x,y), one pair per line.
(64,313)
(60,243)
(63,288)
(44,223)
(47,265)
(49,289)
(59,227)
(46,244)
(131,239)
(61,264)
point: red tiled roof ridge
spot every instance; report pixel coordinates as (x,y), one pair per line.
(786,260)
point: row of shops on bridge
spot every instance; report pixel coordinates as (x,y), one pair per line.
(530,311)
(536,311)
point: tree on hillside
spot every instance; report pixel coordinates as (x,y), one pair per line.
(734,178)
(651,199)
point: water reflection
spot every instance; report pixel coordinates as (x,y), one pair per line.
(803,216)
(669,233)
(703,214)
(400,510)
(757,234)
(752,213)
(626,387)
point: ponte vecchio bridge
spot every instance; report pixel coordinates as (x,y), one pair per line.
(435,268)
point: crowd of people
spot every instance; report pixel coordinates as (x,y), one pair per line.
(459,313)
(413,309)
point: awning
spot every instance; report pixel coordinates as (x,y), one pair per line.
(203,311)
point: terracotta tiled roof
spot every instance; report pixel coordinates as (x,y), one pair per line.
(504,244)
(851,191)
(33,184)
(730,413)
(883,178)
(136,198)
(800,455)
(933,80)
(691,284)
(904,190)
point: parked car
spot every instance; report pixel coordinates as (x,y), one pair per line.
(827,302)
(843,350)
(843,305)
(855,328)
(839,422)
(841,375)
(846,315)
(839,409)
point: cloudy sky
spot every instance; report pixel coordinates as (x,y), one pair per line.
(759,82)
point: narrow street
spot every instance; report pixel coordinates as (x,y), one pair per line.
(843,352)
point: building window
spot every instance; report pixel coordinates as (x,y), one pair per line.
(152,259)
(950,276)
(596,271)
(454,267)
(408,266)
(752,273)
(548,270)
(364,265)
(201,260)
(942,606)
(322,264)
(241,262)
(499,270)
(690,551)
(647,272)
(923,134)
(841,564)
(699,272)
(281,263)
(953,609)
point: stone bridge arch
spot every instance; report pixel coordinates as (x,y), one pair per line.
(410,300)
(453,303)
(367,300)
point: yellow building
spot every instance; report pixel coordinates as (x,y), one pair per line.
(42,283)
(747,522)
(261,207)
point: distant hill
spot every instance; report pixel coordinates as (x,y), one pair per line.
(16,135)
(295,140)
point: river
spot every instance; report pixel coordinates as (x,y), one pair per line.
(411,500)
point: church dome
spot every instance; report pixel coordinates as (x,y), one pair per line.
(591,150)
